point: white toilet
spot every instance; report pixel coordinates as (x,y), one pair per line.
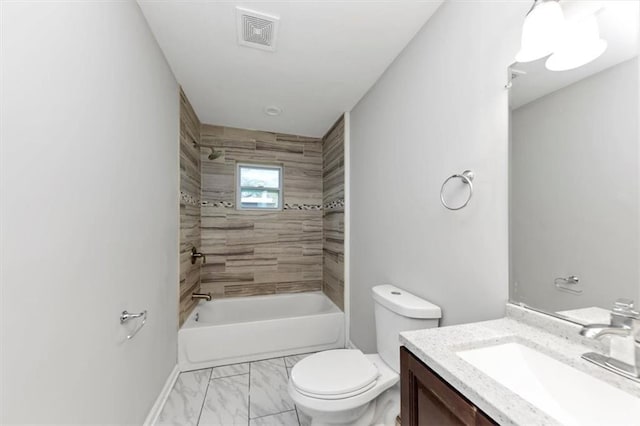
(340,387)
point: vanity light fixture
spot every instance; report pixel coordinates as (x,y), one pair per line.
(540,31)
(571,42)
(580,44)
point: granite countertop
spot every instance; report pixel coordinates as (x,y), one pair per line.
(559,339)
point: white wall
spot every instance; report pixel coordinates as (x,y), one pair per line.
(575,188)
(439,109)
(89,169)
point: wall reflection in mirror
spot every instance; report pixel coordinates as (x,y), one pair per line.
(575,173)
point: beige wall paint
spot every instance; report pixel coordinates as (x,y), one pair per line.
(190,189)
(261,252)
(333,213)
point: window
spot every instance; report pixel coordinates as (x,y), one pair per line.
(259,187)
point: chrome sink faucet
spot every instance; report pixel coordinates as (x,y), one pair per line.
(625,322)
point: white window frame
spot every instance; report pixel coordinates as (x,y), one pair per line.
(239,187)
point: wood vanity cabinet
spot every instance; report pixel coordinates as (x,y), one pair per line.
(426,399)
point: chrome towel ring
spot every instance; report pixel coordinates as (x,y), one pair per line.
(467,178)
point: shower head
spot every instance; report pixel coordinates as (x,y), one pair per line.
(214,154)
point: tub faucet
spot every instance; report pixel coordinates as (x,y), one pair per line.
(205,296)
(625,322)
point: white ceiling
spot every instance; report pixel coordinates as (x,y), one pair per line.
(619,26)
(329,53)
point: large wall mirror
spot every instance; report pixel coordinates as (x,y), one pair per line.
(575,174)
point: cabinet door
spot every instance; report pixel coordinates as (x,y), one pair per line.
(428,400)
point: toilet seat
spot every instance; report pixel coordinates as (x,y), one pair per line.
(386,379)
(337,396)
(334,374)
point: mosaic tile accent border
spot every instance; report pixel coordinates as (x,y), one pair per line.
(186,198)
(302,206)
(230,205)
(336,204)
(225,204)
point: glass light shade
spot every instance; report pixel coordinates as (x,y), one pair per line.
(579,44)
(540,31)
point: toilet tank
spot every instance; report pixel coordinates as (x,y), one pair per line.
(395,311)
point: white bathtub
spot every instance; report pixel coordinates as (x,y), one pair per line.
(239,329)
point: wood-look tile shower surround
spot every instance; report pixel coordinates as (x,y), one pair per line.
(189,205)
(253,252)
(333,213)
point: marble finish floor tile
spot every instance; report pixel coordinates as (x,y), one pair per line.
(279,362)
(288,418)
(251,394)
(303,419)
(184,403)
(290,361)
(227,401)
(268,384)
(230,370)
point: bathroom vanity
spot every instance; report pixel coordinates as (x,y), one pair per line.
(429,400)
(523,369)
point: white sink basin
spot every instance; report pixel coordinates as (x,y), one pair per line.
(563,392)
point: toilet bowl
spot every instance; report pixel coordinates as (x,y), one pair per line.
(341,386)
(358,379)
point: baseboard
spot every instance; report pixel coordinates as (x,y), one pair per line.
(152,417)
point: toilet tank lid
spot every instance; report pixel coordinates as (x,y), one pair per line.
(404,303)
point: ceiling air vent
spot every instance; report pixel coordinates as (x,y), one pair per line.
(256,29)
